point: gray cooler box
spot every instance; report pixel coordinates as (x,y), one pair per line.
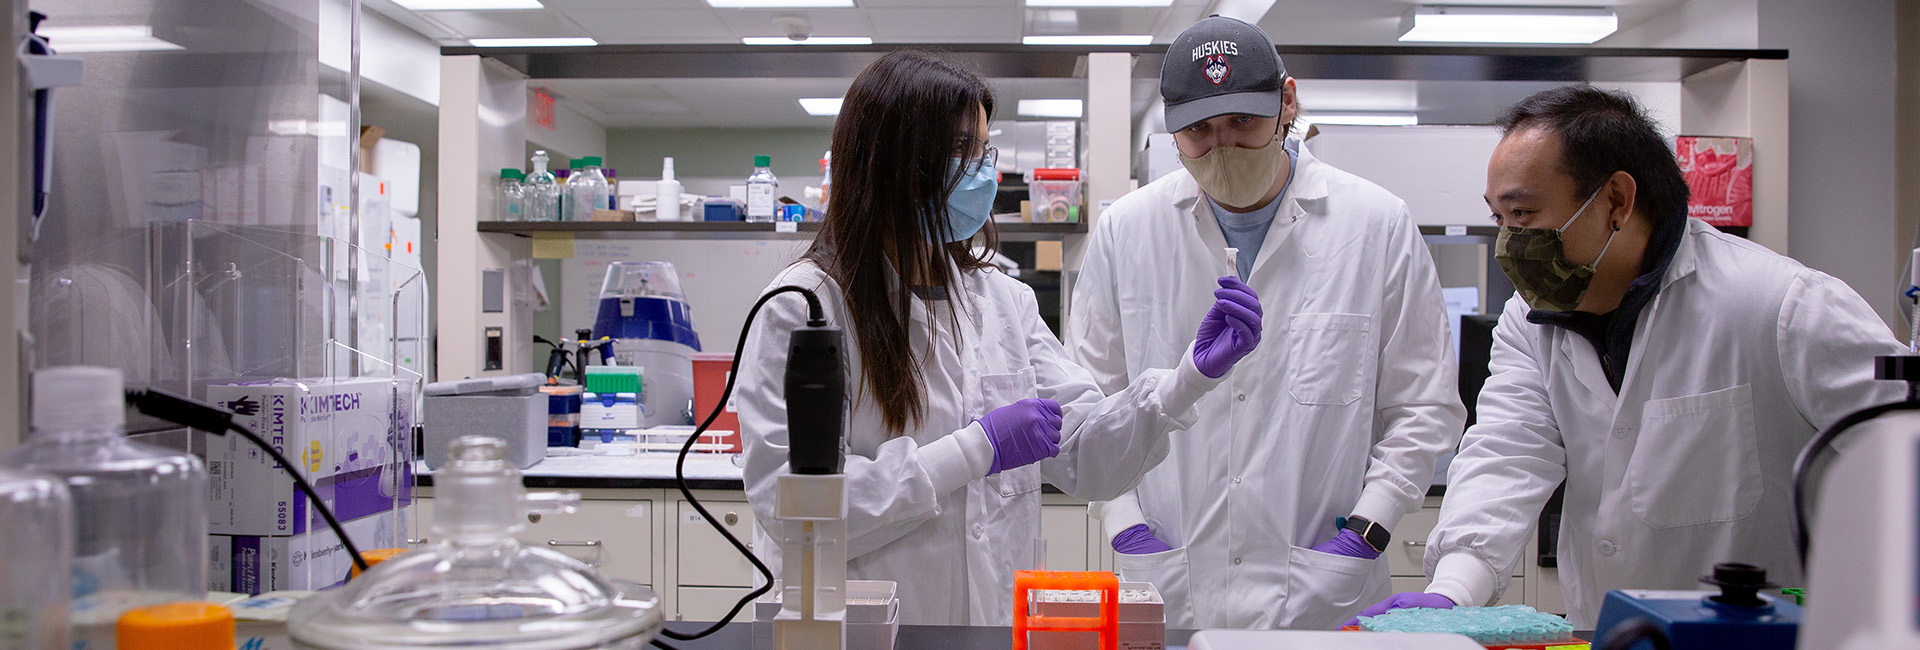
(510,408)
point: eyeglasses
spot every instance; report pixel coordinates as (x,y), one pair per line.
(980,155)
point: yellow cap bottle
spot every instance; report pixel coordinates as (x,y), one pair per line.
(177,626)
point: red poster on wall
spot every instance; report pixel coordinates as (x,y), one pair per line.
(1719,171)
(542,108)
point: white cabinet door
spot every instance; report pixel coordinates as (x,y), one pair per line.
(711,603)
(1065,527)
(613,536)
(706,559)
(1406,554)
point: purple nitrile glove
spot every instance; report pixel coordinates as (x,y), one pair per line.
(1231,329)
(1138,540)
(1023,433)
(1404,600)
(1350,544)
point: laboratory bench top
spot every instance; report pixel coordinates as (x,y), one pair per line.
(740,636)
(650,472)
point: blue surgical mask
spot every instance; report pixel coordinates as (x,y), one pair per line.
(970,205)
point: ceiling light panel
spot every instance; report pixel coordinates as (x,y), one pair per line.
(1363,119)
(533,42)
(127,38)
(1061,108)
(1090,39)
(811,40)
(1490,24)
(821,106)
(778,4)
(468,5)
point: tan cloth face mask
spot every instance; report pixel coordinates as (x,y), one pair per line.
(1237,177)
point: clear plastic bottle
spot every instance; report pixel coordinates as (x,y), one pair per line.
(587,190)
(542,191)
(140,511)
(512,197)
(762,187)
(477,586)
(36,538)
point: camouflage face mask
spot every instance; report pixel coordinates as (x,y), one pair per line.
(1536,260)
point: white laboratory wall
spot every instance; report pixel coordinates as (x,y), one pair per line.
(1694,23)
(390,55)
(574,135)
(1440,171)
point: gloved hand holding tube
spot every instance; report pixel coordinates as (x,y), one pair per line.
(1023,433)
(1230,330)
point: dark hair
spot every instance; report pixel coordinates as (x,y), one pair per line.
(1601,132)
(893,145)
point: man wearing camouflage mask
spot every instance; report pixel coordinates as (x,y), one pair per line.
(1273,509)
(1666,372)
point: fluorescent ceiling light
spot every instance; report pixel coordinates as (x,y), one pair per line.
(1051,108)
(533,42)
(777,4)
(468,5)
(1090,39)
(822,106)
(811,40)
(1457,24)
(1362,119)
(1099,3)
(129,38)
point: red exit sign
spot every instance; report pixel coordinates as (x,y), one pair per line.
(542,108)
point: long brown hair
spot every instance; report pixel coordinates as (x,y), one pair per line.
(893,146)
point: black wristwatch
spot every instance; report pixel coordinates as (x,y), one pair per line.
(1377,536)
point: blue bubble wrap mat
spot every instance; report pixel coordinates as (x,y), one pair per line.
(1488,626)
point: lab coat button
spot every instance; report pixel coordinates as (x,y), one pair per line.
(978,530)
(1236,561)
(1243,397)
(1608,548)
(1236,479)
(1620,431)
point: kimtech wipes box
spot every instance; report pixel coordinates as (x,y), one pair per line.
(255,564)
(345,434)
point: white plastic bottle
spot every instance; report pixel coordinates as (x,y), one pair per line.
(667,193)
(587,190)
(542,191)
(36,538)
(512,197)
(761,189)
(140,511)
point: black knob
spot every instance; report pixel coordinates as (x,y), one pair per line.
(1740,584)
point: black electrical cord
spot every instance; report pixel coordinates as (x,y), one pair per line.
(815,318)
(1632,631)
(1803,466)
(195,414)
(662,645)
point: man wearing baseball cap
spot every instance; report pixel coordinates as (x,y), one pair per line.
(1273,509)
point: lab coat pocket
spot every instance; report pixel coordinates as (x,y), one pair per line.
(1696,460)
(1327,357)
(1324,590)
(997,391)
(1167,571)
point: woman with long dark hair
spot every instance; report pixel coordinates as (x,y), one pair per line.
(961,400)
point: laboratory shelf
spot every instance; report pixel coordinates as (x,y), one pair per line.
(731,230)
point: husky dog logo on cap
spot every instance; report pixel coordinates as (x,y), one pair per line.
(1217,69)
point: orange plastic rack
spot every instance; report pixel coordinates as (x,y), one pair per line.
(1105,582)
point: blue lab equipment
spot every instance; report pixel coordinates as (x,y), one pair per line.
(1739,617)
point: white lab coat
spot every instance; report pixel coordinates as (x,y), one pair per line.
(1344,408)
(923,511)
(1737,361)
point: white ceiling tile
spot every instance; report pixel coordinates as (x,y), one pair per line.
(1106,20)
(945,25)
(975,4)
(654,26)
(823,22)
(506,24)
(626,4)
(640,105)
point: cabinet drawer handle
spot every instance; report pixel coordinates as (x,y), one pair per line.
(732,519)
(555,542)
(413,542)
(1415,543)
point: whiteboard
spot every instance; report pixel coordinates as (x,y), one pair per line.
(1440,171)
(722,279)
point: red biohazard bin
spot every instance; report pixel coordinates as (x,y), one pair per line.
(709,380)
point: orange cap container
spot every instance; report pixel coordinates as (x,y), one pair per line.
(176,626)
(374,558)
(1105,582)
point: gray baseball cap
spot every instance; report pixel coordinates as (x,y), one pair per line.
(1220,66)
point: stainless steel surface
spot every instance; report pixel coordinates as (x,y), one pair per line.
(566,544)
